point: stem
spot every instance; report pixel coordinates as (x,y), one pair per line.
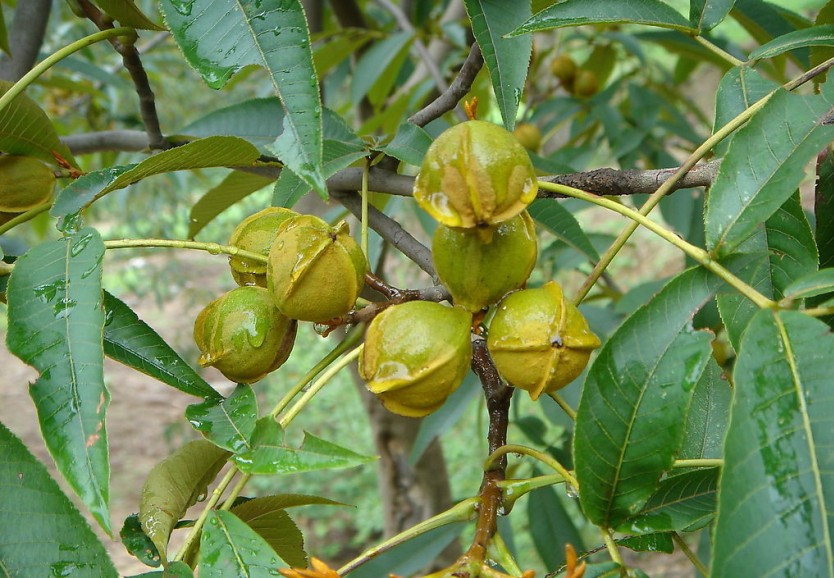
(718,51)
(563,404)
(512,490)
(696,253)
(212,248)
(819,311)
(44,65)
(318,384)
(23,217)
(458,513)
(687,551)
(501,554)
(699,463)
(198,525)
(364,192)
(613,549)
(541,456)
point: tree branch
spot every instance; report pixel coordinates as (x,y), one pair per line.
(25,38)
(108,140)
(133,64)
(451,96)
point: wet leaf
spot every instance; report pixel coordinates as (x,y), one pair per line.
(629,424)
(507,59)
(777,485)
(269,455)
(551,527)
(175,484)
(659,542)
(219,37)
(707,417)
(276,527)
(65,546)
(55,325)
(131,341)
(228,547)
(138,543)
(227,423)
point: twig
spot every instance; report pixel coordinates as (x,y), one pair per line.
(452,95)
(107,140)
(134,67)
(25,38)
(391,231)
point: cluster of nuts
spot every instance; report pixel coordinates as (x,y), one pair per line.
(25,183)
(476,181)
(314,273)
(577,81)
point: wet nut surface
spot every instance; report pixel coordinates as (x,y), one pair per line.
(416,354)
(256,233)
(539,340)
(25,183)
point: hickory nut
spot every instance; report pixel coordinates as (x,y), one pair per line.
(256,233)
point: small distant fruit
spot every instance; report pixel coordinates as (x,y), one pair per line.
(529,136)
(564,68)
(586,84)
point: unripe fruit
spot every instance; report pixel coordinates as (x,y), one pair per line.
(25,183)
(564,68)
(256,233)
(479,273)
(244,335)
(585,84)
(416,354)
(315,271)
(539,341)
(475,174)
(529,136)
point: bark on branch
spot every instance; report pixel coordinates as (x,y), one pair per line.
(25,38)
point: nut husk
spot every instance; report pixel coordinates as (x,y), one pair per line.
(475,174)
(479,273)
(243,334)
(315,271)
(256,233)
(25,183)
(416,354)
(539,341)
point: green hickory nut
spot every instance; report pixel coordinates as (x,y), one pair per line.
(25,183)
(478,272)
(255,234)
(315,271)
(243,335)
(539,341)
(416,354)
(475,174)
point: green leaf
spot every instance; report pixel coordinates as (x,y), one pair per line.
(41,527)
(560,222)
(813,36)
(173,485)
(379,64)
(55,325)
(751,183)
(4,37)
(629,424)
(578,12)
(602,570)
(172,570)
(777,486)
(704,15)
(824,221)
(127,14)
(551,527)
(214,151)
(130,341)
(235,187)
(219,37)
(228,547)
(507,59)
(137,543)
(244,119)
(709,412)
(410,557)
(658,542)
(780,251)
(26,130)
(409,144)
(740,88)
(328,54)
(817,283)
(227,423)
(682,503)
(267,517)
(766,21)
(269,455)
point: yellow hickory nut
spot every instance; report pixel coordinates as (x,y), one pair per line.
(416,354)
(475,174)
(25,183)
(480,272)
(256,233)
(315,272)
(243,335)
(539,341)
(564,68)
